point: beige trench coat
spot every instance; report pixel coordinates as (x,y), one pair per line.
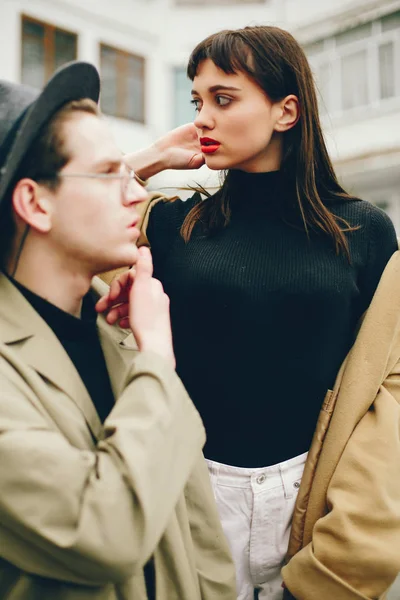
(83,506)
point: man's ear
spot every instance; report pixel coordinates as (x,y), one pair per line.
(289,113)
(32,206)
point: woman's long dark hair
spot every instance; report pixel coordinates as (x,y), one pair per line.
(277,63)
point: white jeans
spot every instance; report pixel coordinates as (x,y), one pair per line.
(256,508)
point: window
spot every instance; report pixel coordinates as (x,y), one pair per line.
(354,79)
(322,75)
(123,81)
(359,66)
(183,109)
(386,70)
(353,35)
(44,49)
(391,22)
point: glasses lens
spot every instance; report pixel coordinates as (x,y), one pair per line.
(129,176)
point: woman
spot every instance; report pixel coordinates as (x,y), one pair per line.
(267,279)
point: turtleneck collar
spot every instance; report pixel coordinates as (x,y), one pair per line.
(64,325)
(261,193)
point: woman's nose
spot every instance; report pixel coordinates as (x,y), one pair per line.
(204,119)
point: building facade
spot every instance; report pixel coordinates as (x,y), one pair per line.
(141,48)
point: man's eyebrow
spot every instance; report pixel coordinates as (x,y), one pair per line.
(110,163)
(215,88)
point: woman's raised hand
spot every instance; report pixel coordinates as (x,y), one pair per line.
(181,148)
(178,149)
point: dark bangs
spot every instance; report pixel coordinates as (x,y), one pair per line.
(227,51)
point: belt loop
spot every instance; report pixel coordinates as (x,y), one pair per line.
(287,488)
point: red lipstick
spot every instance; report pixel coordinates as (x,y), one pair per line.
(208,145)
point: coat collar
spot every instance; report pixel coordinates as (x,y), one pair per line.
(28,335)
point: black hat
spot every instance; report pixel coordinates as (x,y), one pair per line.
(24,111)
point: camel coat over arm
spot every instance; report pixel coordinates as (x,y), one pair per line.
(83,505)
(345,538)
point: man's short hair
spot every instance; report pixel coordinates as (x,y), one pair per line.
(45,158)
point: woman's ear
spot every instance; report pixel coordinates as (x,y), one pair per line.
(32,206)
(289,113)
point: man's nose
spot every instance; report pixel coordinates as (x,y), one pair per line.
(135,193)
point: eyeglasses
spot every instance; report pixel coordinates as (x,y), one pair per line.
(126,176)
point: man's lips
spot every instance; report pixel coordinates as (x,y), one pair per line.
(208,145)
(134,224)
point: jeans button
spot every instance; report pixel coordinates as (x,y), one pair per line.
(261,478)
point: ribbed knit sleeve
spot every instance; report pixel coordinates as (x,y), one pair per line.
(382,243)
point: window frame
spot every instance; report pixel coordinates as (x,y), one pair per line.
(329,55)
(48,43)
(122,57)
(176,71)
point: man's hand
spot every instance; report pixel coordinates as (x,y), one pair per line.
(138,301)
(116,303)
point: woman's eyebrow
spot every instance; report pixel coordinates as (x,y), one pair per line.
(215,88)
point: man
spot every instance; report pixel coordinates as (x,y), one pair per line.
(103,490)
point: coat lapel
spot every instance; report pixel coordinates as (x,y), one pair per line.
(22,329)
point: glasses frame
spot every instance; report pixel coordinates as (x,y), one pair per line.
(126,177)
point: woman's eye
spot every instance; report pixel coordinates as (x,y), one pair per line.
(196,104)
(223,101)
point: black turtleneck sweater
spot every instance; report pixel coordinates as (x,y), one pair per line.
(263,316)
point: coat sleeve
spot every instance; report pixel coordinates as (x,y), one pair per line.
(355,548)
(95,517)
(214,563)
